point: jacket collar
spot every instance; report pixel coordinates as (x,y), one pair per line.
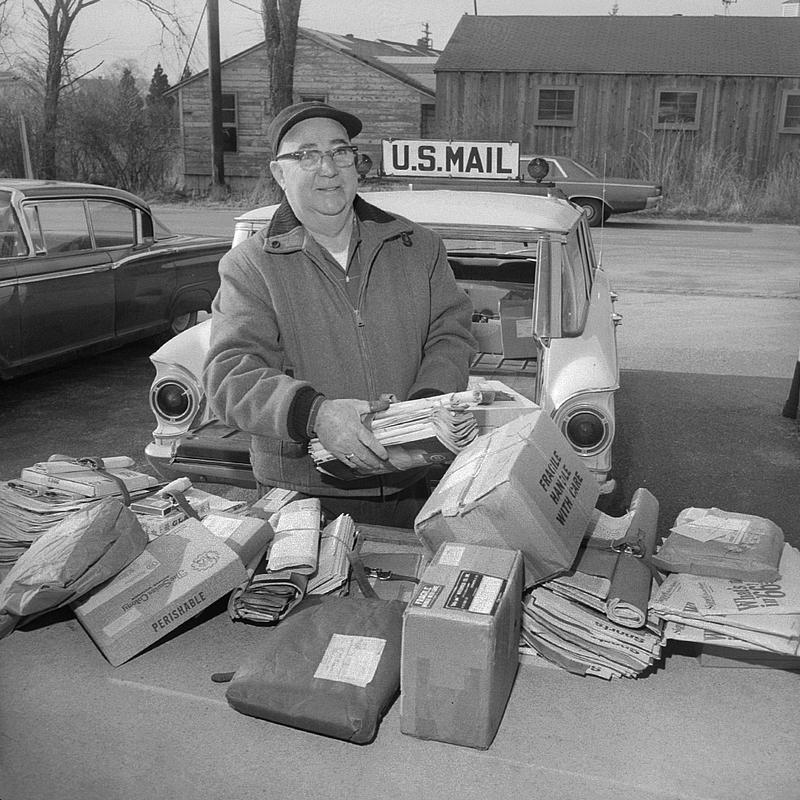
(286,232)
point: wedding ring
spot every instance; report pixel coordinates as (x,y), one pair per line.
(350,456)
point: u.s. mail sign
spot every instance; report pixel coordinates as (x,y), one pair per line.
(434,157)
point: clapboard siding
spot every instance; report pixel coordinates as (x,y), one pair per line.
(615,121)
(386,105)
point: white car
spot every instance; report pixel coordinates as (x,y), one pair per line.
(543,317)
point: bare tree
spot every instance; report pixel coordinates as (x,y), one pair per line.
(280,35)
(56,19)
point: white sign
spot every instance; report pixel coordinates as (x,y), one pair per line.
(439,158)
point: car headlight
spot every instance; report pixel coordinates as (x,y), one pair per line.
(173,400)
(586,428)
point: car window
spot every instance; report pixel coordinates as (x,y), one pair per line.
(581,172)
(12,242)
(574,288)
(58,226)
(555,171)
(114,224)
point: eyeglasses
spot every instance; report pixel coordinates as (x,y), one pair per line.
(344,156)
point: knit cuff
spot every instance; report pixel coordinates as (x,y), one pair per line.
(300,411)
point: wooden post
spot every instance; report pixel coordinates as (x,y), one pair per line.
(215,89)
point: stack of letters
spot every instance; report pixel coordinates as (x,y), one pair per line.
(743,614)
(301,560)
(48,491)
(26,513)
(415,433)
(594,620)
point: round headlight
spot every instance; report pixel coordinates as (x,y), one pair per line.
(586,430)
(172,400)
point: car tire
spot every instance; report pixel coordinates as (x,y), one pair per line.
(595,210)
(182,323)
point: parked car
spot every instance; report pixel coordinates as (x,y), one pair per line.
(601,196)
(85,268)
(514,255)
(552,175)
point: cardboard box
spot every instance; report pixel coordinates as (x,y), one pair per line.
(178,575)
(489,417)
(521,487)
(516,326)
(460,645)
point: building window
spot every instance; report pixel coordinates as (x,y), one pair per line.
(555,106)
(427,120)
(678,110)
(790,113)
(229,123)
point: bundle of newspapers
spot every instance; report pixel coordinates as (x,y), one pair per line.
(301,560)
(594,620)
(51,490)
(416,433)
(745,614)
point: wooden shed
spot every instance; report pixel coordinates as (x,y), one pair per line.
(388,85)
(625,93)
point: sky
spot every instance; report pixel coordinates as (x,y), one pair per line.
(114,31)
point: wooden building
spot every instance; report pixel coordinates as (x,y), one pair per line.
(388,85)
(626,93)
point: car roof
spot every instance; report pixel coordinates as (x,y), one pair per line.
(30,188)
(444,208)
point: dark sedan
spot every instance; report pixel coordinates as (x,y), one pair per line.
(85,268)
(599,196)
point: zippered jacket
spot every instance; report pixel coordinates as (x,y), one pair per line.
(283,329)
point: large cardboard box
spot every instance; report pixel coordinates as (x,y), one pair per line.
(508,405)
(178,575)
(460,645)
(521,487)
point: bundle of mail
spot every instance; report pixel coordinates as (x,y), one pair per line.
(301,560)
(416,433)
(753,615)
(48,491)
(51,490)
(594,620)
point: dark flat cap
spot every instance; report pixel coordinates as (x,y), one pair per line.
(291,115)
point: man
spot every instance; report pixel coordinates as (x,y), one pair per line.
(332,305)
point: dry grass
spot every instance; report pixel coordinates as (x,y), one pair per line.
(701,184)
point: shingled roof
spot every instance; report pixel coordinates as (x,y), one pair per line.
(722,45)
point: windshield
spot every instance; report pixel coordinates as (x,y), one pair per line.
(161,231)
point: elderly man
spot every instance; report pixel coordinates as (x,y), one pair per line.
(332,305)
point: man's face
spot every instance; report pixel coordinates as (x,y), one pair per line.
(326,191)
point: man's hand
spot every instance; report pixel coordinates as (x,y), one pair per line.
(340,429)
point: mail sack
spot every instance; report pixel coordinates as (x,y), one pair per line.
(77,554)
(331,667)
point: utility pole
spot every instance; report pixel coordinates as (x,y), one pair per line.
(215,88)
(475,6)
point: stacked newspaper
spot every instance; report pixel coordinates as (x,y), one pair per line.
(747,615)
(416,433)
(584,641)
(26,512)
(594,620)
(301,560)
